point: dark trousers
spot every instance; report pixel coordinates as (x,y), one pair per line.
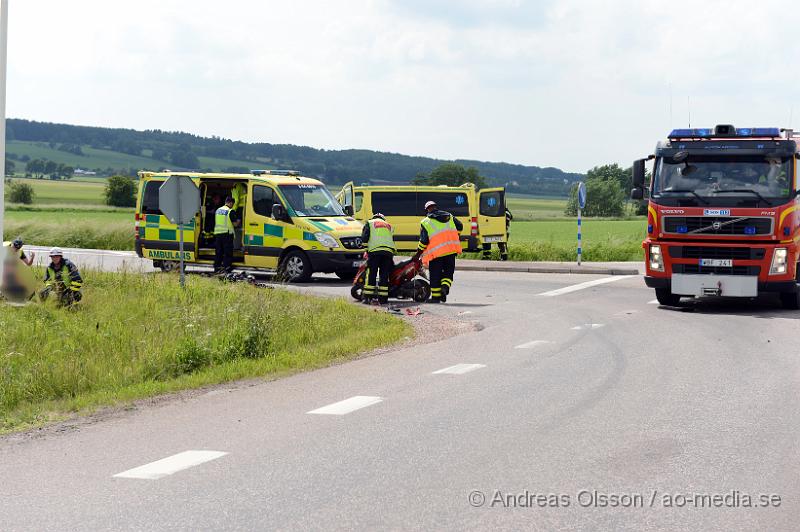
(503,246)
(442,270)
(379,266)
(223,258)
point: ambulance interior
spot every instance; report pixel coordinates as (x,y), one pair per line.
(213,194)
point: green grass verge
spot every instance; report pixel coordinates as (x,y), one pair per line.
(603,240)
(136,336)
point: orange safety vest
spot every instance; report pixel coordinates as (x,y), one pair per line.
(443,239)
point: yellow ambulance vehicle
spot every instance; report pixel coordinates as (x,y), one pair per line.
(290,223)
(483,212)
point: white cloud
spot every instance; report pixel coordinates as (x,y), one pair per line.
(568,84)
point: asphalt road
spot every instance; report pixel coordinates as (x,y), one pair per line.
(588,394)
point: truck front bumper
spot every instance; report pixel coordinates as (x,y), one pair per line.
(769,286)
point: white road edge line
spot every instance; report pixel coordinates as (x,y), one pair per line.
(171,464)
(582,286)
(459,369)
(588,326)
(347,406)
(533,344)
(653,302)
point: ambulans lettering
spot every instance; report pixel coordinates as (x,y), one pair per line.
(168,255)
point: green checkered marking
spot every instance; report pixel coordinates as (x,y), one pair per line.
(167,234)
(256,240)
(273,230)
(308,236)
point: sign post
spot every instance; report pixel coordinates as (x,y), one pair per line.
(581,206)
(179,200)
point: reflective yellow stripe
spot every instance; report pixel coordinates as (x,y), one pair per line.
(786,213)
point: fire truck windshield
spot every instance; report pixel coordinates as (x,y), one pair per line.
(724,178)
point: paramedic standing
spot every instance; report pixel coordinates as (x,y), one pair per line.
(379,239)
(63,278)
(440,244)
(225,220)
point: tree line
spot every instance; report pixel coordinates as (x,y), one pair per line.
(184,150)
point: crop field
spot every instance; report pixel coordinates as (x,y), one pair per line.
(66,193)
(524,207)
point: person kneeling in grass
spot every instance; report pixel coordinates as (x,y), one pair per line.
(63,278)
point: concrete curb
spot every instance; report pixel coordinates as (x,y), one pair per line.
(521,268)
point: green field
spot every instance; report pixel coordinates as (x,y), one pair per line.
(524,207)
(566,232)
(66,193)
(95,158)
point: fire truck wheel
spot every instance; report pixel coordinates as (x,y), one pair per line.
(665,297)
(790,300)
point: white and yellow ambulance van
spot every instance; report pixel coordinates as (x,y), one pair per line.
(483,212)
(290,223)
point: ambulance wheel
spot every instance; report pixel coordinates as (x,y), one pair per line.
(666,297)
(168,266)
(355,291)
(295,267)
(346,275)
(422,291)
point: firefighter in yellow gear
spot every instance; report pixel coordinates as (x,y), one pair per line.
(63,279)
(378,236)
(439,241)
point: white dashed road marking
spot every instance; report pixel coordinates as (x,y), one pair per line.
(171,464)
(534,343)
(588,326)
(587,284)
(459,369)
(348,405)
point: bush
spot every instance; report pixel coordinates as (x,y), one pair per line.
(120,191)
(20,193)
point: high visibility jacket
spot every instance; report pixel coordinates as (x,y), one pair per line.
(239,193)
(222,221)
(67,274)
(443,239)
(380,236)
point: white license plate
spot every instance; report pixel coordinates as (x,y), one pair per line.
(725,263)
(357,263)
(489,239)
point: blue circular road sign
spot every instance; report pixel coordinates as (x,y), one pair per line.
(582,195)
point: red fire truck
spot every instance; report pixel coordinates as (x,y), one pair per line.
(722,218)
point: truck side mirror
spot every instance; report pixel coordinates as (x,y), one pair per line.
(279,212)
(637,193)
(638,173)
(348,210)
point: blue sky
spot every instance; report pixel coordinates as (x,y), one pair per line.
(566,83)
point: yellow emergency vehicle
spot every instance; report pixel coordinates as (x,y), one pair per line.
(483,212)
(290,223)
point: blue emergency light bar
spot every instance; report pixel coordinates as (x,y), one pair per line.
(726,132)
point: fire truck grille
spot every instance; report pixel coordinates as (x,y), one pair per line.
(719,270)
(717,225)
(708,252)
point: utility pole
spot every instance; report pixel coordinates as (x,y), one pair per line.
(3,56)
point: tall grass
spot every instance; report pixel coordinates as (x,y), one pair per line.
(137,335)
(74,233)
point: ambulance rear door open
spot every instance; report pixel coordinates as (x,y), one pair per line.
(492,215)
